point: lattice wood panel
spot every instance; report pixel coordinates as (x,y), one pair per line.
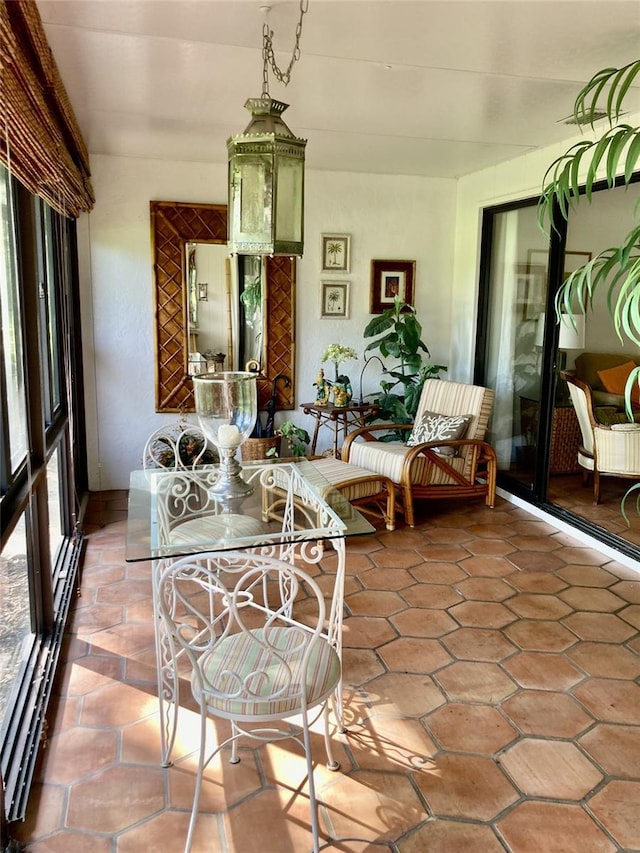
(172,225)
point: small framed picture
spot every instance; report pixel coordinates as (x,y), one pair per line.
(388,280)
(335,299)
(336,249)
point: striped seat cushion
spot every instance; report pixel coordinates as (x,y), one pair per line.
(388,459)
(339,473)
(257,674)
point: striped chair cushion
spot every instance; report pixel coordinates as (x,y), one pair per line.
(338,472)
(246,676)
(618,449)
(387,459)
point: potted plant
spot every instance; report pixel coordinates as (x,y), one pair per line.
(296,437)
(616,268)
(398,335)
(341,384)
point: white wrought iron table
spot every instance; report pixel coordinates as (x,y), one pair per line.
(292,511)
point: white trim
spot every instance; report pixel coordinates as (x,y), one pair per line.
(578,535)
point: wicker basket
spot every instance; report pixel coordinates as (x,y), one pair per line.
(256,448)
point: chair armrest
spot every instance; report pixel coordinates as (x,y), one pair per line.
(427,448)
(366,433)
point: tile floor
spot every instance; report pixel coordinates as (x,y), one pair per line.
(492,672)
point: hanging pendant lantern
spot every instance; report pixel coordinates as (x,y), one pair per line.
(266,168)
(266,184)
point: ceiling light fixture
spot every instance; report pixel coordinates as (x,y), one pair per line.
(266,168)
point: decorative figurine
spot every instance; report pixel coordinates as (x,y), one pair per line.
(323,389)
(342,391)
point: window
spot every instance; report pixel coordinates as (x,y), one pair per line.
(41,480)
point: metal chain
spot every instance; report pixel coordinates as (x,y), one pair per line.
(268,57)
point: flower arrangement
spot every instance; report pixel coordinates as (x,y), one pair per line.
(337,354)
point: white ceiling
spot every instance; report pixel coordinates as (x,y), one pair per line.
(439,88)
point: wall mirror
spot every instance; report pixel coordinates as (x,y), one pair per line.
(213,311)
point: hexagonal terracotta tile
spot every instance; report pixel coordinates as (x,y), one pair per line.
(387,579)
(391,744)
(526,542)
(550,769)
(603,627)
(485,589)
(583,556)
(435,596)
(360,666)
(366,632)
(530,605)
(589,598)
(487,567)
(470,728)
(414,654)
(449,535)
(154,833)
(479,644)
(78,751)
(489,547)
(124,592)
(446,836)
(467,786)
(443,553)
(98,803)
(616,806)
(482,614)
(421,622)
(117,704)
(403,693)
(611,700)
(491,531)
(438,573)
(539,712)
(279,814)
(629,590)
(553,827)
(631,614)
(615,748)
(396,558)
(542,670)
(541,636)
(371,805)
(587,576)
(535,561)
(469,681)
(374,603)
(67,841)
(605,660)
(89,672)
(536,582)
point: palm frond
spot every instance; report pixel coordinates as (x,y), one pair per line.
(586,107)
(618,270)
(562,179)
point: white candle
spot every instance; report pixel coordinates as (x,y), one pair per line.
(228,436)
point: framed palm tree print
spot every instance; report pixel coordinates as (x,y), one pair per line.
(336,249)
(335,299)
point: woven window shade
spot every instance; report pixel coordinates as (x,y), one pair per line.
(40,142)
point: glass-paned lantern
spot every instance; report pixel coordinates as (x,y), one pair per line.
(266,184)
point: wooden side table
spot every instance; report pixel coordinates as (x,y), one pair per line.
(337,418)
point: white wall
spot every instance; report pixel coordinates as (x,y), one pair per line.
(387,217)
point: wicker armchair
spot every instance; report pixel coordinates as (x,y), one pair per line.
(443,468)
(606,450)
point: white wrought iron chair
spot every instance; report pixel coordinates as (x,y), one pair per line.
(606,450)
(179,447)
(433,464)
(252,658)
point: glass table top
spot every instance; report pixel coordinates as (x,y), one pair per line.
(172,513)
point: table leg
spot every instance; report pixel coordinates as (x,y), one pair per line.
(315,433)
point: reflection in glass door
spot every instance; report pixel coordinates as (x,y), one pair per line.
(516,303)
